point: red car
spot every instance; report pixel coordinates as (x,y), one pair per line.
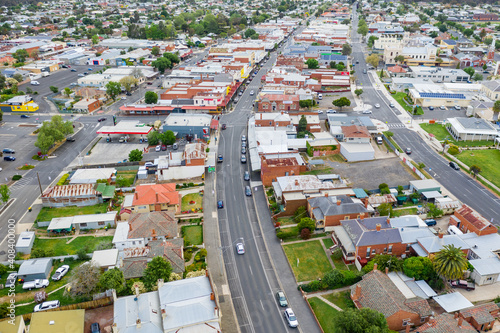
(463,284)
(163,147)
(224,126)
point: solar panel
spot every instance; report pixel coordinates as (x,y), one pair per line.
(442,95)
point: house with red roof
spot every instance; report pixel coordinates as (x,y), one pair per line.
(278,102)
(468,220)
(397,71)
(153,198)
(481,317)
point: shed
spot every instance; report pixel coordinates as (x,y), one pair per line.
(107,191)
(35,269)
(354,152)
(360,193)
(25,242)
(431,195)
(105,258)
(425,185)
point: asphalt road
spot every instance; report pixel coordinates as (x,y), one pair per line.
(458,183)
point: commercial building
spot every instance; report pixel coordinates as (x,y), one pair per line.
(471,129)
(195,126)
(439,74)
(429,94)
(22,104)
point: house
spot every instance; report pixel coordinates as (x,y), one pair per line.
(329,211)
(25,242)
(195,153)
(71,195)
(429,246)
(446,322)
(152,226)
(154,198)
(278,102)
(274,166)
(397,71)
(356,134)
(87,105)
(362,238)
(136,313)
(471,129)
(468,220)
(13,326)
(484,256)
(485,17)
(90,176)
(395,300)
(481,317)
(58,321)
(35,269)
(82,222)
(354,152)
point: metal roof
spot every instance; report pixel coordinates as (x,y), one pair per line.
(453,302)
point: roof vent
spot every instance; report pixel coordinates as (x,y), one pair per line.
(52,322)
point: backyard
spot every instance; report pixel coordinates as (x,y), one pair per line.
(325,314)
(308,260)
(58,246)
(192,202)
(48,213)
(193,234)
(486,159)
(441,133)
(125,178)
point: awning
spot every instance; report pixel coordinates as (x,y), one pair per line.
(432,195)
(418,249)
(214,124)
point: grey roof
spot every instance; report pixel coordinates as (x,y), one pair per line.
(492,85)
(146,307)
(405,221)
(34,266)
(475,123)
(364,233)
(418,249)
(486,266)
(330,207)
(482,246)
(410,235)
(453,302)
(435,244)
(342,120)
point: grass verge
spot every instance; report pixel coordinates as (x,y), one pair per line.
(324,313)
(308,260)
(193,234)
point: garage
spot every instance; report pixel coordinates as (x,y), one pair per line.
(354,152)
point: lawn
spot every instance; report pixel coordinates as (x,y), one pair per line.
(400,98)
(328,242)
(128,177)
(59,247)
(286,220)
(486,159)
(341,299)
(318,171)
(48,213)
(313,262)
(404,211)
(325,314)
(193,234)
(191,197)
(441,133)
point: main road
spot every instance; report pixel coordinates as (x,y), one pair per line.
(461,185)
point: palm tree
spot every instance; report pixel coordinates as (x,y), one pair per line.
(450,262)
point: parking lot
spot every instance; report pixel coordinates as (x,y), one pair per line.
(110,152)
(440,114)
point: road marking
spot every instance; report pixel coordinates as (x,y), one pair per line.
(251,272)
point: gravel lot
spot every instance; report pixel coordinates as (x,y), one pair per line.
(368,175)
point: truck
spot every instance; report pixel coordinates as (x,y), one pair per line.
(44,74)
(36,284)
(463,284)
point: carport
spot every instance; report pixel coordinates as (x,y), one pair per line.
(126,127)
(431,195)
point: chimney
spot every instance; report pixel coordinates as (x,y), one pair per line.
(157,198)
(129,226)
(212,296)
(326,194)
(456,315)
(378,227)
(136,196)
(153,234)
(163,314)
(440,235)
(160,283)
(366,203)
(339,202)
(388,221)
(460,320)
(407,330)
(375,266)
(362,216)
(114,328)
(357,293)
(296,182)
(387,270)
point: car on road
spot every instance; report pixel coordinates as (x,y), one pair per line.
(442,107)
(463,284)
(248,191)
(357,62)
(89,69)
(128,93)
(331,111)
(367,111)
(408,151)
(454,165)
(244,144)
(60,272)
(364,71)
(81,75)
(163,147)
(158,148)
(70,139)
(220,159)
(24,116)
(431,108)
(290,318)
(35,83)
(121,140)
(377,106)
(243,159)
(246,176)
(85,73)
(150,83)
(47,306)
(243,150)
(243,138)
(73,70)
(101,119)
(220,204)
(95,328)
(251,93)
(457,107)
(240,249)
(280,297)
(124,97)
(224,126)
(320,112)
(391,105)
(9,151)
(240,93)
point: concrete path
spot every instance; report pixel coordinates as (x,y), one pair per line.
(330,303)
(327,255)
(302,241)
(327,292)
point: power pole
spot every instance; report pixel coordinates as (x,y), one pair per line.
(39,184)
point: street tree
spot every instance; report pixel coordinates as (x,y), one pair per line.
(156,269)
(168,138)
(450,262)
(478,77)
(485,67)
(173,57)
(67,91)
(85,280)
(4,193)
(161,64)
(137,73)
(151,97)
(346,49)
(470,71)
(154,138)
(112,279)
(475,170)
(341,102)
(127,82)
(53,131)
(373,60)
(54,89)
(358,92)
(135,155)
(312,63)
(113,89)
(363,30)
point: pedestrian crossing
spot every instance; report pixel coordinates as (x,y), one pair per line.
(20,183)
(396,125)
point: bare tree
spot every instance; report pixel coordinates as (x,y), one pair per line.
(85,280)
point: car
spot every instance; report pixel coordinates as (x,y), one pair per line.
(442,107)
(364,71)
(331,111)
(320,112)
(243,150)
(95,328)
(85,73)
(9,151)
(290,318)
(377,106)
(35,83)
(240,249)
(90,69)
(430,222)
(244,144)
(463,284)
(128,93)
(454,165)
(240,93)
(243,138)
(251,93)
(220,159)
(367,111)
(485,72)
(431,108)
(150,83)
(121,140)
(243,159)
(163,147)
(60,272)
(11,280)
(357,62)
(246,176)
(124,97)
(280,297)
(457,107)
(73,70)
(47,306)
(70,139)
(248,191)
(236,99)
(408,151)
(224,126)
(158,148)
(391,105)
(220,204)
(149,164)
(64,66)
(24,116)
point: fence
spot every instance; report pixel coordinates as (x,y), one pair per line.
(389,143)
(413,168)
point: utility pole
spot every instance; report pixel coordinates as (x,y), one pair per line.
(39,184)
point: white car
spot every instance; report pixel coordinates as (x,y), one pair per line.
(60,272)
(457,107)
(251,93)
(81,75)
(158,148)
(35,83)
(377,105)
(442,107)
(320,112)
(124,97)
(367,111)
(290,318)
(240,249)
(331,111)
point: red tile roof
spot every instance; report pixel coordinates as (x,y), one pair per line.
(445,323)
(156,194)
(396,69)
(355,131)
(482,314)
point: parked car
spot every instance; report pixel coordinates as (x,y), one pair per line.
(243,159)
(454,165)
(73,70)
(47,306)
(240,249)
(290,318)
(9,158)
(128,93)
(248,191)
(463,284)
(81,75)
(430,222)
(35,83)
(280,297)
(243,150)
(408,151)
(9,151)
(38,283)
(457,107)
(124,97)
(367,111)
(244,144)
(220,204)
(158,148)
(95,328)
(431,108)
(220,159)
(442,107)
(331,111)
(101,119)
(320,112)
(163,147)
(364,71)
(60,272)
(391,105)
(243,138)
(246,176)
(224,126)
(70,139)
(24,116)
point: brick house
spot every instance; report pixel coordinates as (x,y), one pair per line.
(468,220)
(330,211)
(273,167)
(151,198)
(429,246)
(486,17)
(195,153)
(445,323)
(275,102)
(87,105)
(71,195)
(399,305)
(363,238)
(297,62)
(273,119)
(481,317)
(356,134)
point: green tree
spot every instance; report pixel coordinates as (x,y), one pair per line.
(341,102)
(470,71)
(174,58)
(340,66)
(20,55)
(373,60)
(85,280)
(450,262)
(155,51)
(358,92)
(52,131)
(312,63)
(4,193)
(468,32)
(442,28)
(67,91)
(485,67)
(302,124)
(306,223)
(151,97)
(249,33)
(161,64)
(385,209)
(475,170)
(113,89)
(371,40)
(477,77)
(18,77)
(360,321)
(434,211)
(346,49)
(4,310)
(496,107)
(420,268)
(54,89)
(95,40)
(127,82)
(135,155)
(482,34)
(334,278)
(399,58)
(300,213)
(333,64)
(168,138)
(363,30)
(112,279)
(154,138)
(158,268)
